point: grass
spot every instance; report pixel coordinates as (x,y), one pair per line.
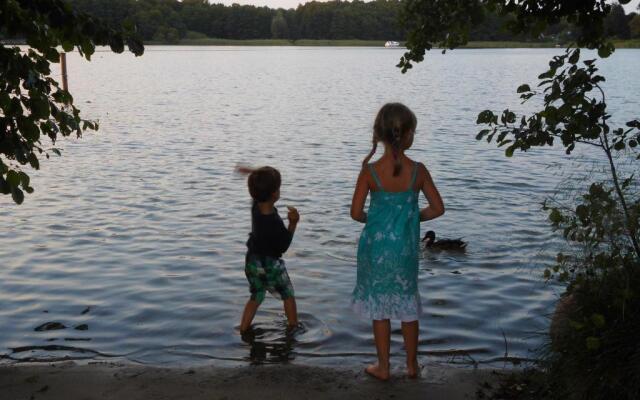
(508,45)
(278,42)
(627,44)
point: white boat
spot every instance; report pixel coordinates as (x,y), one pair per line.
(391,44)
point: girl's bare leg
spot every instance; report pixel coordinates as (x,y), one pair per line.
(410,333)
(247,316)
(291,311)
(382,337)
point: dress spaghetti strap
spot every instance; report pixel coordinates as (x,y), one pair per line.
(414,174)
(375,176)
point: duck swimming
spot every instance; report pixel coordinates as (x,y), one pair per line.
(430,242)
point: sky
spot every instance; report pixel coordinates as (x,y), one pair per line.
(294,3)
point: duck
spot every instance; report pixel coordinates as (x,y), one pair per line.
(430,242)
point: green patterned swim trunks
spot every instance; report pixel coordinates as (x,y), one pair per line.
(267,273)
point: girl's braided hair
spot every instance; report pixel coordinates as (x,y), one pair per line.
(393,122)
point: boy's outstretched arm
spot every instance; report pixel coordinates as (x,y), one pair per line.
(243,169)
(436,206)
(359,197)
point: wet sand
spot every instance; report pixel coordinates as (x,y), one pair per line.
(98,380)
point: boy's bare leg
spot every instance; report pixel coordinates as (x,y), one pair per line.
(247,316)
(382,337)
(410,332)
(291,311)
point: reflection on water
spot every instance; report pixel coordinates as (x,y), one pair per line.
(134,240)
(271,344)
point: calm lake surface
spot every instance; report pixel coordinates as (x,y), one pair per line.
(138,231)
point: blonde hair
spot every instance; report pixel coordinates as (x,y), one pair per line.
(393,122)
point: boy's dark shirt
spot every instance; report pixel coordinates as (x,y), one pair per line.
(269,236)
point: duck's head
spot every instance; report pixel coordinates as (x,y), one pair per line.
(429,238)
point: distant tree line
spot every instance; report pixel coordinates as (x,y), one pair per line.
(173,20)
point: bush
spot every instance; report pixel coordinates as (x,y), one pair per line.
(595,352)
(598,357)
(195,35)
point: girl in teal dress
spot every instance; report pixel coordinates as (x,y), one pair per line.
(387,281)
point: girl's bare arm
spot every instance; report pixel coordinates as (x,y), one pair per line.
(436,206)
(359,197)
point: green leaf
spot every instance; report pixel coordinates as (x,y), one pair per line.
(29,129)
(593,343)
(51,54)
(547,75)
(606,50)
(137,48)
(17,195)
(575,56)
(117,44)
(576,325)
(482,134)
(582,212)
(4,186)
(627,182)
(5,100)
(24,179)
(39,107)
(509,150)
(598,320)
(486,117)
(508,117)
(555,216)
(524,88)
(33,161)
(13,178)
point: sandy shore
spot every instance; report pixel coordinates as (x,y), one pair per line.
(97,380)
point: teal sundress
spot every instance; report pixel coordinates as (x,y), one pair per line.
(387,281)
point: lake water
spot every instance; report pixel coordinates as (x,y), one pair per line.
(138,231)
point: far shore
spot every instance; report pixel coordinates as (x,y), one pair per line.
(116,381)
(620,44)
(633,43)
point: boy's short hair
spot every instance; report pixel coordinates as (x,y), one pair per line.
(263,182)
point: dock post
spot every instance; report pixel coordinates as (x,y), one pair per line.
(63,65)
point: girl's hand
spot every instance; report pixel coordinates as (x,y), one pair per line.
(293,215)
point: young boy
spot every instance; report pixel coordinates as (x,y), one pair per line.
(269,238)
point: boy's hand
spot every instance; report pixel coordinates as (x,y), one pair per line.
(243,169)
(293,215)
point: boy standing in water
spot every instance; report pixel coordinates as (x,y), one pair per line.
(264,267)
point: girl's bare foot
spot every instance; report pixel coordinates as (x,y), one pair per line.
(378,372)
(413,369)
